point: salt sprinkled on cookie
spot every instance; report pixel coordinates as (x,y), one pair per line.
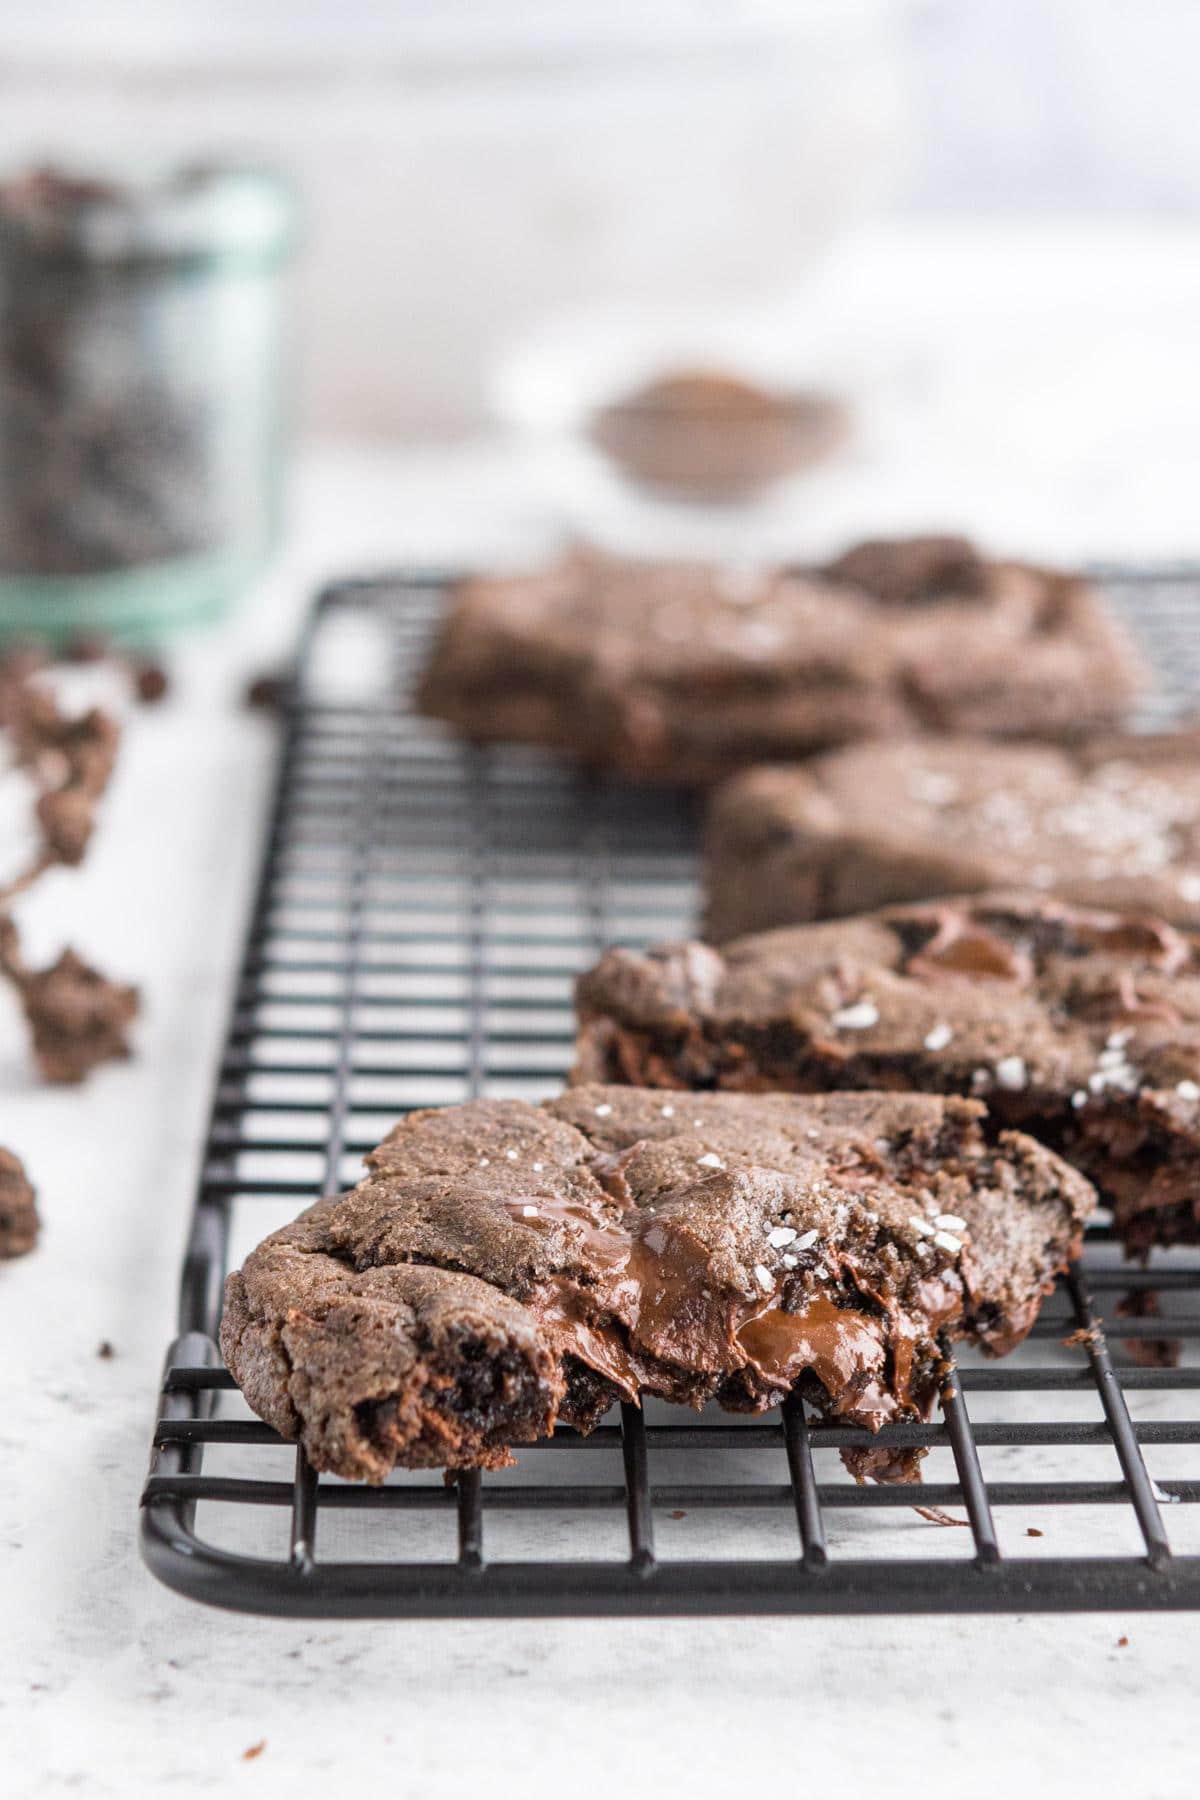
(932,787)
(859,1017)
(1011,1073)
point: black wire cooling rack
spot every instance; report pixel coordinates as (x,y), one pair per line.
(422,910)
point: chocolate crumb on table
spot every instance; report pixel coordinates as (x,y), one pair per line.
(78,1018)
(504,1266)
(19,1222)
(151,682)
(268,692)
(70,760)
(937,1515)
(1113,824)
(1079,1026)
(686,672)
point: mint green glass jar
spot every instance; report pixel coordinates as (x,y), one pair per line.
(141,381)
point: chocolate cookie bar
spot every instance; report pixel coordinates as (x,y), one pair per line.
(685,672)
(1113,825)
(503,1266)
(1078,1026)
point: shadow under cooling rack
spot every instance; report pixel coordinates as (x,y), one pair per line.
(422,910)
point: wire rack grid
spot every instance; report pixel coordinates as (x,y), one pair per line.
(422,910)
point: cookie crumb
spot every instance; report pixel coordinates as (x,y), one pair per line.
(1032,1531)
(150,681)
(19,1222)
(77,1017)
(266,693)
(105,1351)
(1122,1643)
(936,1516)
(254,1750)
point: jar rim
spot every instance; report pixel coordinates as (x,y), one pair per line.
(194,212)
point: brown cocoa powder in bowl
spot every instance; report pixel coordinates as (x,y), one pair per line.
(707,435)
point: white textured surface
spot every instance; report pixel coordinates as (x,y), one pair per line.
(108,1685)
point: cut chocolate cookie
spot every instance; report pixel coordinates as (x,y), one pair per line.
(685,672)
(503,1266)
(1113,825)
(1079,1026)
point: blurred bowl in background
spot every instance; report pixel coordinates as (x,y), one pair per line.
(709,437)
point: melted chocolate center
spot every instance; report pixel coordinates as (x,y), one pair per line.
(961,947)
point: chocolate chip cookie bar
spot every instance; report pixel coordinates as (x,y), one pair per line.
(1080,1027)
(1114,825)
(686,672)
(504,1266)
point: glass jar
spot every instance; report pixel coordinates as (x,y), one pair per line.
(140,396)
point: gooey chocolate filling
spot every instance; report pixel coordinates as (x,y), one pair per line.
(655,1317)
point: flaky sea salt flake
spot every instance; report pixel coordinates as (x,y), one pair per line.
(859,1017)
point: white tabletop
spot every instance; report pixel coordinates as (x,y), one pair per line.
(1070,430)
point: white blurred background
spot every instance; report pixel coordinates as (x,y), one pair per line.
(480,177)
